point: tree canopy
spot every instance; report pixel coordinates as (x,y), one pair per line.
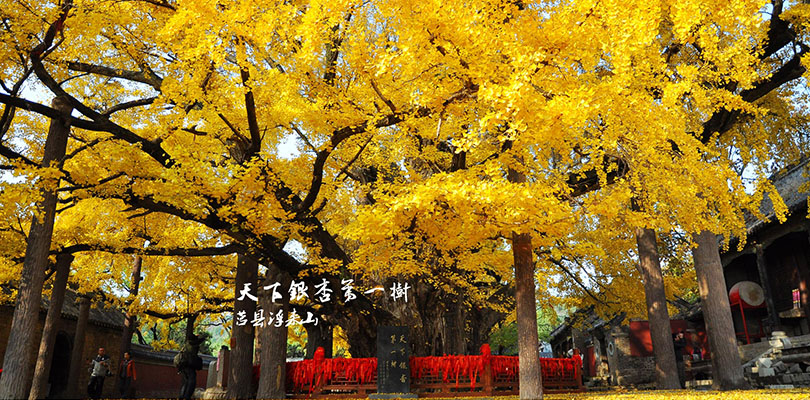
(379,135)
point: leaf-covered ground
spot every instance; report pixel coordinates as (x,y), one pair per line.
(768,394)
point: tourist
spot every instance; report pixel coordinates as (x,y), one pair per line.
(188,363)
(126,375)
(100,368)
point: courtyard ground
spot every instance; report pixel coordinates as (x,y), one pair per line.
(764,394)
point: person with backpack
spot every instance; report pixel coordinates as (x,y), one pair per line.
(188,363)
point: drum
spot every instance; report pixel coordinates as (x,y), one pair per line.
(750,294)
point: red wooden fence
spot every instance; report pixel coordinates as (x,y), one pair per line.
(481,375)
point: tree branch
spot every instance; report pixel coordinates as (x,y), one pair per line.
(128,105)
(153,149)
(722,120)
(253,123)
(572,276)
(380,95)
(13,155)
(134,76)
(231,248)
(344,133)
(102,122)
(303,137)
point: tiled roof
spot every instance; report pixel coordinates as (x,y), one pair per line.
(588,319)
(102,316)
(788,183)
(165,356)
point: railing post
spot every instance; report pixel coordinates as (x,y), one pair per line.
(320,372)
(486,378)
(578,368)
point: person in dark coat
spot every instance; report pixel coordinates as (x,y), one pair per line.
(126,376)
(188,363)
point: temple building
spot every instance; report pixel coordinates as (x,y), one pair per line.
(768,289)
(103,329)
(157,376)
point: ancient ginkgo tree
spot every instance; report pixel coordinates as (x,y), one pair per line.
(468,129)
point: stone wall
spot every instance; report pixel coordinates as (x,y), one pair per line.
(96,337)
(624,368)
(749,351)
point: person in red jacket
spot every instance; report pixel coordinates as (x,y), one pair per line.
(126,375)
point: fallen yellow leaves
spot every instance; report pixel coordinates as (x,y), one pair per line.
(768,394)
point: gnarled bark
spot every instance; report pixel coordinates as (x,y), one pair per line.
(273,340)
(18,361)
(45,356)
(319,336)
(727,373)
(531,379)
(666,371)
(130,321)
(76,362)
(240,384)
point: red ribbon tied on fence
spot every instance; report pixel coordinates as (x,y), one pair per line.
(307,375)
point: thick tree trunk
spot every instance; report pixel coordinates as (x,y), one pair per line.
(443,323)
(240,384)
(45,356)
(666,371)
(190,319)
(76,361)
(361,348)
(273,340)
(531,380)
(429,307)
(361,333)
(130,321)
(18,362)
(319,336)
(453,338)
(482,321)
(440,323)
(727,373)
